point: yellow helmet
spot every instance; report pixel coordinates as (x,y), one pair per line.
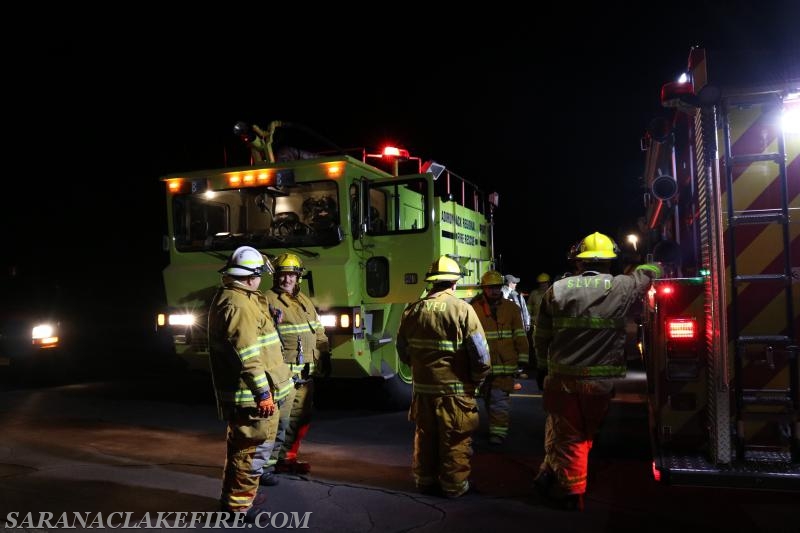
(492,277)
(288,263)
(595,246)
(443,269)
(544,277)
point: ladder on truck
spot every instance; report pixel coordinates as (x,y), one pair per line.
(765,401)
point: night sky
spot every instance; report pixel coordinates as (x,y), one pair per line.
(547,108)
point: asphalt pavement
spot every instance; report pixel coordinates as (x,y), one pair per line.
(154,445)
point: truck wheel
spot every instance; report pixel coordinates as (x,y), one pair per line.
(396,392)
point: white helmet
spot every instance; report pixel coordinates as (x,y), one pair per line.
(247,261)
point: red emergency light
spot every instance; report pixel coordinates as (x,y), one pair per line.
(393,151)
(681,329)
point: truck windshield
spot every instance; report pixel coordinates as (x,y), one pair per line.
(303,214)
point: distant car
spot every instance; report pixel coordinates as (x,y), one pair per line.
(37,331)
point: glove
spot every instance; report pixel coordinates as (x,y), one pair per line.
(277,314)
(325,364)
(266,407)
(541,373)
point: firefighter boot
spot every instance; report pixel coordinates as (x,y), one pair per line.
(572,502)
(268,478)
(292,466)
(544,481)
(470,488)
(239,516)
(496,440)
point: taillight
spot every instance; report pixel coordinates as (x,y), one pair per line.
(681,329)
(656,472)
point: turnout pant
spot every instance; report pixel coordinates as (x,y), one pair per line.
(496,392)
(575,410)
(294,422)
(443,441)
(245,432)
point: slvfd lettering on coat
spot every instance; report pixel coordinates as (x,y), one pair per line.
(435,306)
(588,282)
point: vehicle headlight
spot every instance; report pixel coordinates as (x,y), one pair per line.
(184,319)
(45,335)
(42,331)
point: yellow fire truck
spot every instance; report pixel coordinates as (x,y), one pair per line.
(720,330)
(365,233)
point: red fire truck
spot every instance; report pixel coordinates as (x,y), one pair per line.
(720,329)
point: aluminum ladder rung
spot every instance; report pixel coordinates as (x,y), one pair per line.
(760,217)
(762,277)
(744,159)
(763,339)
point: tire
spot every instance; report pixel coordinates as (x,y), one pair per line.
(396,393)
(391,394)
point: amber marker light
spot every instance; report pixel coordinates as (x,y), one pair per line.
(174,185)
(334,171)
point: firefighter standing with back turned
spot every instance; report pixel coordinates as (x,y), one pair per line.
(580,339)
(534,303)
(442,339)
(304,341)
(248,372)
(508,346)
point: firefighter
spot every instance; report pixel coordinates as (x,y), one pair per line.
(304,342)
(442,340)
(535,297)
(580,340)
(510,293)
(508,345)
(534,303)
(248,373)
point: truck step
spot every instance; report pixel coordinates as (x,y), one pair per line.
(767,397)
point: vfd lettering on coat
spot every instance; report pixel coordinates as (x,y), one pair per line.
(588,282)
(437,307)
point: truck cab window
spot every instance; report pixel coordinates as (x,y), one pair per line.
(304,214)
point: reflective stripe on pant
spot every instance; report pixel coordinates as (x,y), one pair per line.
(443,441)
(575,409)
(245,432)
(497,395)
